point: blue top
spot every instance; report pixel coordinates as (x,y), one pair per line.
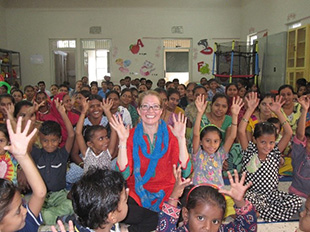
(32,223)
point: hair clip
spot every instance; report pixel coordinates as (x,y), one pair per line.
(205,126)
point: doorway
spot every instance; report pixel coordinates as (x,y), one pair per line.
(64,61)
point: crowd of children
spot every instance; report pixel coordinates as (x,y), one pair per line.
(60,148)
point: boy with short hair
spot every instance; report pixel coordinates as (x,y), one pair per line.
(52,164)
(99,200)
(215,87)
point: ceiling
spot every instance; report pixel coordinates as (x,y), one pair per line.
(119,3)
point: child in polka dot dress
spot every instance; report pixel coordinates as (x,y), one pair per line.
(261,160)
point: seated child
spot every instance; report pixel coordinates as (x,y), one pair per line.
(301,153)
(99,200)
(261,160)
(14,216)
(208,154)
(8,164)
(205,207)
(52,164)
(215,87)
(94,143)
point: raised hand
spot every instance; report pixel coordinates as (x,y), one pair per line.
(201,103)
(179,183)
(60,106)
(304,101)
(73,99)
(37,106)
(236,105)
(9,110)
(107,105)
(62,227)
(276,104)
(19,139)
(252,101)
(85,105)
(117,123)
(238,188)
(179,127)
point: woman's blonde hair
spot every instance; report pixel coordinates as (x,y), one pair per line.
(147,93)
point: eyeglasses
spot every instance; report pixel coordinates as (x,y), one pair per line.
(146,107)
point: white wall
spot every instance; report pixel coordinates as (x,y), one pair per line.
(3,43)
(29,31)
(272,14)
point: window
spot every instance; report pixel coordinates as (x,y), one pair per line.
(176,59)
(96,58)
(66,44)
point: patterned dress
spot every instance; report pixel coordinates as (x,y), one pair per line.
(272,204)
(169,216)
(103,160)
(208,168)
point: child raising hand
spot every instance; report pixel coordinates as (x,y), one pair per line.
(13,215)
(208,154)
(94,143)
(300,153)
(261,159)
(205,208)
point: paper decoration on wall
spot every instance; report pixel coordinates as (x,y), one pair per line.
(135,48)
(147,68)
(114,51)
(203,67)
(157,53)
(36,59)
(123,65)
(207,50)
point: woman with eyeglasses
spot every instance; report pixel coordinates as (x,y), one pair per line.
(146,157)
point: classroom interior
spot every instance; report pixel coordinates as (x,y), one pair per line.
(136,34)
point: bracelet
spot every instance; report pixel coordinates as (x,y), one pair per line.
(244,209)
(122,146)
(245,120)
(81,164)
(234,124)
(283,123)
(173,199)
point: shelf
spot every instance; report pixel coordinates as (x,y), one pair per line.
(11,68)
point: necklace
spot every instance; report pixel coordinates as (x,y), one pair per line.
(216,122)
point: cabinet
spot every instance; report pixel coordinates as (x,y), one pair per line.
(10,66)
(298,54)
